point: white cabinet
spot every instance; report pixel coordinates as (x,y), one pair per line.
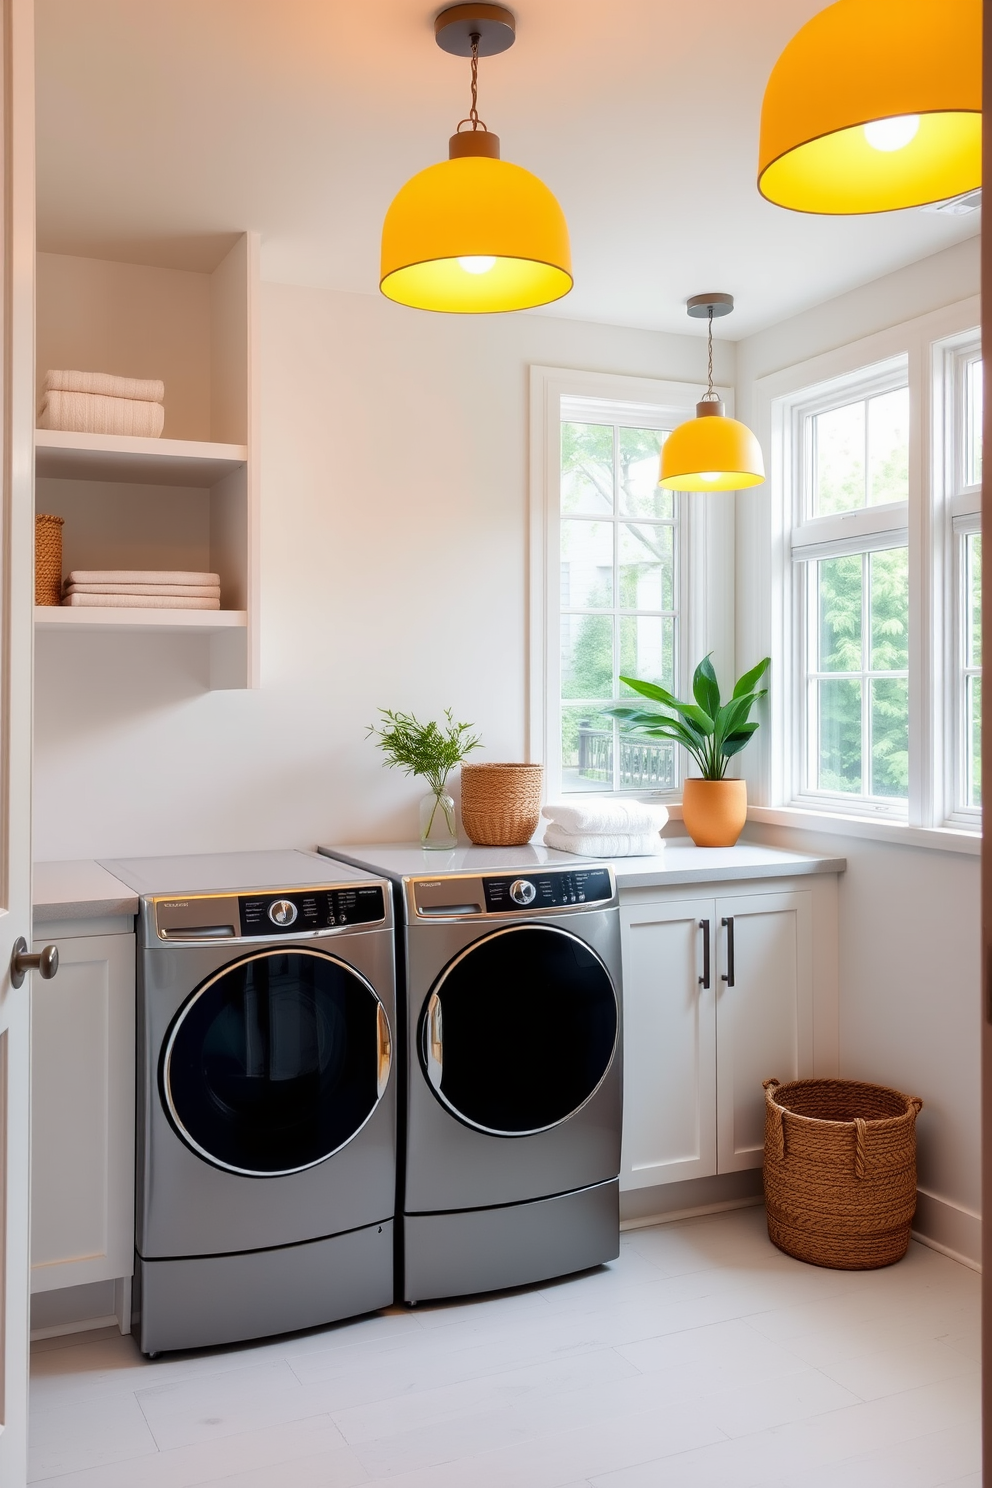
(82,1114)
(718,995)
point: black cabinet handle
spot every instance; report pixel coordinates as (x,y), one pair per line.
(704,980)
(728,975)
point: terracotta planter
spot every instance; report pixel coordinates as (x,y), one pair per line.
(501,804)
(714,811)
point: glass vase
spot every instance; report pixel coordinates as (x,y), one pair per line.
(437,821)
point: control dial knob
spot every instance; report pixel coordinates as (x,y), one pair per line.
(522,891)
(282,912)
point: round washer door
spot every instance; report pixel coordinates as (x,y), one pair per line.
(519,1030)
(276,1062)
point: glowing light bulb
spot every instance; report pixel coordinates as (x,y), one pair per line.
(479,265)
(892,134)
(709,475)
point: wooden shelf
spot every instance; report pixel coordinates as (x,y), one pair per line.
(94,618)
(123,457)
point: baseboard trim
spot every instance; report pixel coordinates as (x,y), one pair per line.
(948,1228)
(698,1211)
(85,1325)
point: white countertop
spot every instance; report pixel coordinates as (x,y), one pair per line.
(678,862)
(79,890)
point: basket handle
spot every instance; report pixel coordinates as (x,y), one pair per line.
(916,1103)
(778,1125)
(860,1146)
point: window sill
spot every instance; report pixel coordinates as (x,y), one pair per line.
(941,839)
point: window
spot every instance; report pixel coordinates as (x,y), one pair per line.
(626,579)
(876,578)
(851,578)
(619,544)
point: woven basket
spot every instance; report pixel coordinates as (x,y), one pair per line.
(48,559)
(840,1171)
(501,804)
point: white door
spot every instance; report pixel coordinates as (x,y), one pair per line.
(669,1043)
(764,1013)
(16,622)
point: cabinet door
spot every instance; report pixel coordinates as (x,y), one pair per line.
(82,1115)
(764,1013)
(669,1043)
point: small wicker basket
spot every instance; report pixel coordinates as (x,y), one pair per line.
(48,559)
(501,804)
(840,1171)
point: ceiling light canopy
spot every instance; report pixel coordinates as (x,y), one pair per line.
(875,105)
(475,234)
(711,452)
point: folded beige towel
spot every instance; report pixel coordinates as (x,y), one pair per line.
(140,602)
(177,591)
(91,413)
(157,577)
(148,389)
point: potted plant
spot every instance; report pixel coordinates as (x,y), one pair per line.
(714,809)
(432,752)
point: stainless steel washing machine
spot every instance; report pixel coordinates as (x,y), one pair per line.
(266,1106)
(512,1064)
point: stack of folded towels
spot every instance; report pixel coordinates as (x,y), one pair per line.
(597,827)
(141,589)
(98,403)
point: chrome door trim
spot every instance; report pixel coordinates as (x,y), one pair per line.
(433,1006)
(165,1091)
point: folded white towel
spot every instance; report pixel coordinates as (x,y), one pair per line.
(177,591)
(92,413)
(603,845)
(155,576)
(140,602)
(148,389)
(599,814)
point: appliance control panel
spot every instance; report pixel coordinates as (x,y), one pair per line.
(547,890)
(296,910)
(525,891)
(274,913)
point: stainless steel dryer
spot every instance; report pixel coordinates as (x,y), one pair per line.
(512,1109)
(266,1107)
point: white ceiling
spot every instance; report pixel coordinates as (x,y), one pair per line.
(165,127)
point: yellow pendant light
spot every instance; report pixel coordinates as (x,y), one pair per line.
(475,234)
(875,105)
(711,452)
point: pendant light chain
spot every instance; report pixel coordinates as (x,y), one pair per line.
(709,362)
(473,113)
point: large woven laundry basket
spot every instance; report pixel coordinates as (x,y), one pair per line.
(840,1171)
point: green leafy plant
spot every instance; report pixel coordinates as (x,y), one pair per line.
(711,731)
(424,749)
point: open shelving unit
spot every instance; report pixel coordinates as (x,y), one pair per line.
(185,501)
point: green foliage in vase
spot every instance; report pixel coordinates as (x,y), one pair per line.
(425,749)
(711,731)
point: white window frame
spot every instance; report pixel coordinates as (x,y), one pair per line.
(705,579)
(928,822)
(864,530)
(957,512)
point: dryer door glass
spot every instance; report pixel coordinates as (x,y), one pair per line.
(519,1030)
(275,1062)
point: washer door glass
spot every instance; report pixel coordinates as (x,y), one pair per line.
(276,1062)
(519,1030)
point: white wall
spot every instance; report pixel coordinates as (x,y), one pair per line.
(909,917)
(394,549)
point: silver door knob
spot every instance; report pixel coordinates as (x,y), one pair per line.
(45,962)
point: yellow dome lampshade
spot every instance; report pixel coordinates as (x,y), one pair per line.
(474,234)
(874,106)
(711,452)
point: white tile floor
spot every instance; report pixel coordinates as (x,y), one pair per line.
(703,1358)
